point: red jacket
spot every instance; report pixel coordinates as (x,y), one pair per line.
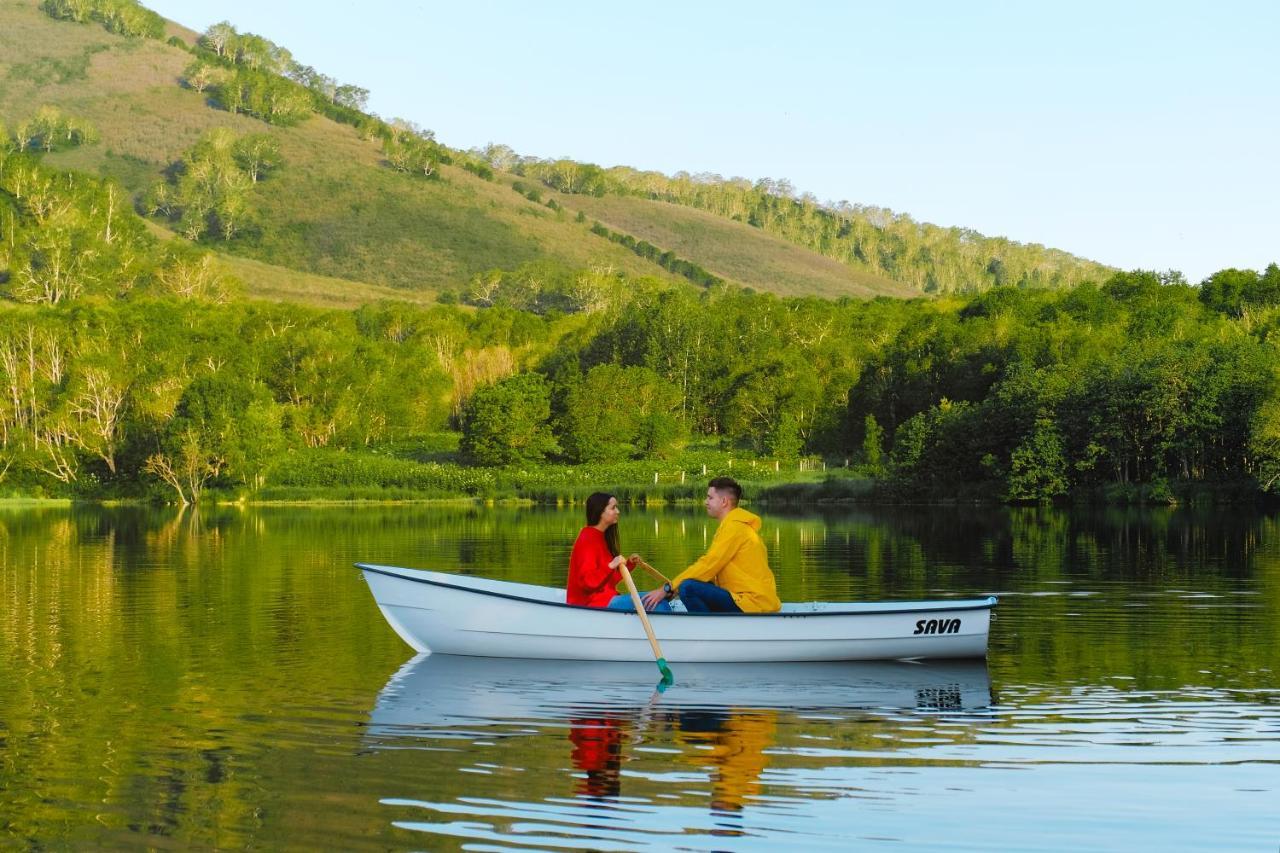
(591,581)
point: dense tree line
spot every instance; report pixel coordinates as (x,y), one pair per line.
(247,73)
(1136,388)
(1241,293)
(157,395)
(258,54)
(1133,386)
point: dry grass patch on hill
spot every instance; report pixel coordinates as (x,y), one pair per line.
(733,250)
(279,284)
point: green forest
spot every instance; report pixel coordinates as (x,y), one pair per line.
(135,364)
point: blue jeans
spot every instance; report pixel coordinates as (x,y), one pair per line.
(699,597)
(623,602)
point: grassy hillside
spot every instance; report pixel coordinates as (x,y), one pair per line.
(335,210)
(332,210)
(874,241)
(733,250)
(281,284)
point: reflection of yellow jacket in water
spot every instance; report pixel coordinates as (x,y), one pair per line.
(737,756)
(738,563)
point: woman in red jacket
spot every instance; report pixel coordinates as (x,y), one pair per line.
(594,561)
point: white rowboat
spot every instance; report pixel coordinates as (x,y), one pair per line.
(461,615)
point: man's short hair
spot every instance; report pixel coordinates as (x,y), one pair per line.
(729,486)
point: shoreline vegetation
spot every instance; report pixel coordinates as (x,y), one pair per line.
(767,483)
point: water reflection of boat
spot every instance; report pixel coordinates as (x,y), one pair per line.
(432,693)
(460,615)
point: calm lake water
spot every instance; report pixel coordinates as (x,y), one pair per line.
(224,680)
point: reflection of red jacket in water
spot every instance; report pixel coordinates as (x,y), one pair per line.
(597,750)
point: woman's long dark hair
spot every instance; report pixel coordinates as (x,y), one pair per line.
(596,505)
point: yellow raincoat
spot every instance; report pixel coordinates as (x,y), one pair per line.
(737,563)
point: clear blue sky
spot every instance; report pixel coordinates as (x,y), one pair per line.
(1143,135)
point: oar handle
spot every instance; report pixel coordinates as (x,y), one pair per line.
(644,617)
(651,570)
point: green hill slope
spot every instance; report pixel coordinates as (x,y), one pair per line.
(332,210)
(335,209)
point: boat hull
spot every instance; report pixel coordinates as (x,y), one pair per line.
(457,615)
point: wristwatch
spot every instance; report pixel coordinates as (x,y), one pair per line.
(671,593)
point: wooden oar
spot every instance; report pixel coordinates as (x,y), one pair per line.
(651,570)
(667,677)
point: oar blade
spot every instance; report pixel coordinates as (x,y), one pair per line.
(668,678)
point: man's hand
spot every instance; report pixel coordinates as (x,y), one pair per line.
(653,598)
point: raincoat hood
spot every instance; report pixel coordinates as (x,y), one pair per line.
(741,516)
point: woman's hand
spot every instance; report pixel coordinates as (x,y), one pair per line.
(633,561)
(616,562)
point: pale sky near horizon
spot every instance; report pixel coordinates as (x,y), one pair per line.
(1142,135)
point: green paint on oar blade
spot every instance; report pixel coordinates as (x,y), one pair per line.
(668,678)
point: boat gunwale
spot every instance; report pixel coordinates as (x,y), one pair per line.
(987,603)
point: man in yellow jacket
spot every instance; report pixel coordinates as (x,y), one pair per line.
(733,576)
